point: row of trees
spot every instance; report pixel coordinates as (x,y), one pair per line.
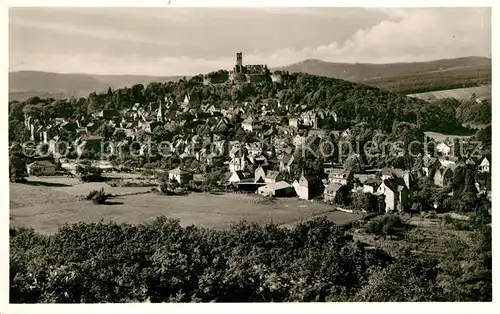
(468,111)
(314,261)
(164,262)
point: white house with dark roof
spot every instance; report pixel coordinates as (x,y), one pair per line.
(180,175)
(396,194)
(331,191)
(41,168)
(444,148)
(484,166)
(240,176)
(340,176)
(308,187)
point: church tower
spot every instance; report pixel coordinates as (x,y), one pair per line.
(159,115)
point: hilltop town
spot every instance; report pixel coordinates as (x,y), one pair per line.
(178,155)
(247,144)
(264,144)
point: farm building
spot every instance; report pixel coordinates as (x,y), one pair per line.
(278,189)
(331,191)
(371,185)
(308,187)
(41,168)
(179,175)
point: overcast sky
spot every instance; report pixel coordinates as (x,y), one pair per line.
(187,41)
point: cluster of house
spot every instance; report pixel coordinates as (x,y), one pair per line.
(271,124)
(256,165)
(442,169)
(393,185)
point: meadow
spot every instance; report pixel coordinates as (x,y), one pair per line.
(46,208)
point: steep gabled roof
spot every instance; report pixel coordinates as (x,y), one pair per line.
(41,163)
(392,184)
(278,185)
(179,171)
(332,187)
(272,174)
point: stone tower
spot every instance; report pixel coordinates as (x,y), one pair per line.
(239,59)
(239,63)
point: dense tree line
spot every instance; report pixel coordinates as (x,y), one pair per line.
(162,261)
(474,112)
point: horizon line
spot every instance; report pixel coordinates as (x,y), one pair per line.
(276,67)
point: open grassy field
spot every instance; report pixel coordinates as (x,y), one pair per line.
(458,93)
(74,187)
(22,195)
(48,208)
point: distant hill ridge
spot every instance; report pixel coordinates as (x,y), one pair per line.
(368,71)
(407,78)
(77,84)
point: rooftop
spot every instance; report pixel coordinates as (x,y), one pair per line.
(278,185)
(178,171)
(41,163)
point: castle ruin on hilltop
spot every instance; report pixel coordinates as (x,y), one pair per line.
(251,73)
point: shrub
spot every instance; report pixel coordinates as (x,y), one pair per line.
(432,215)
(447,219)
(98,197)
(89,174)
(389,224)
